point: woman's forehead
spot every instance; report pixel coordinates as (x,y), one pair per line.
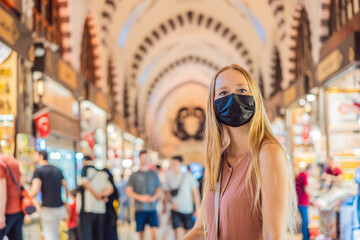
(230,77)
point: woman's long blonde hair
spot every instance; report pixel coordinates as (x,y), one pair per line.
(217,139)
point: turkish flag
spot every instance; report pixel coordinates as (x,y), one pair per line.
(42,123)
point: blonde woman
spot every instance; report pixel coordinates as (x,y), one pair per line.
(249,189)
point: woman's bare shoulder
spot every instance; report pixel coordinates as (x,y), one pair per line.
(272,155)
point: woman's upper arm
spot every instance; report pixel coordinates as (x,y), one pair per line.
(274,190)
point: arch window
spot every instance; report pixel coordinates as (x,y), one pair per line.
(277,74)
(341,11)
(303,47)
(46,21)
(87,55)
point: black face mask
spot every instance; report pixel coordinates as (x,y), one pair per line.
(234,110)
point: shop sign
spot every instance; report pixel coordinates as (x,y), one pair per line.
(290,95)
(92,117)
(345,53)
(343,110)
(8,29)
(42,123)
(5,52)
(8,85)
(343,142)
(329,65)
(61,71)
(66,74)
(14,34)
(90,139)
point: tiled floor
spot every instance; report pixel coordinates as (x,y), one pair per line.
(127,232)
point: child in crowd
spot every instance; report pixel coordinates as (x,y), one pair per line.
(72,218)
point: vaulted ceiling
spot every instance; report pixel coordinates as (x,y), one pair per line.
(166,52)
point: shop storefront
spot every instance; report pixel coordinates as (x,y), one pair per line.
(8,98)
(276,114)
(115,149)
(305,140)
(131,150)
(93,132)
(339,75)
(15,45)
(16,137)
(343,125)
(56,116)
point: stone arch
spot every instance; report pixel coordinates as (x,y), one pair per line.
(108,10)
(180,21)
(333,17)
(89,57)
(278,11)
(64,18)
(276,73)
(172,65)
(300,40)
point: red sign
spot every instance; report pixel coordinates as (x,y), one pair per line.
(306,134)
(42,123)
(90,139)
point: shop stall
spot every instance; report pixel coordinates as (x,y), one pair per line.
(343,113)
(15,48)
(115,150)
(8,98)
(57,124)
(15,104)
(93,132)
(305,138)
(337,75)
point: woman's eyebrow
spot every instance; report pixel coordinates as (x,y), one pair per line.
(241,84)
(222,88)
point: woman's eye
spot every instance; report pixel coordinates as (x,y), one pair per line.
(242,90)
(223,93)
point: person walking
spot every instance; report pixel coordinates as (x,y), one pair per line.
(124,214)
(144,186)
(111,215)
(303,200)
(49,179)
(11,216)
(72,218)
(182,190)
(94,195)
(249,190)
(332,174)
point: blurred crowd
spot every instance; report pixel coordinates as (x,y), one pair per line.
(98,205)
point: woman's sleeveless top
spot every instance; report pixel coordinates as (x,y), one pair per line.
(237,220)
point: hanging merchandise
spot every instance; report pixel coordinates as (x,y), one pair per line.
(305,140)
(93,132)
(115,150)
(90,139)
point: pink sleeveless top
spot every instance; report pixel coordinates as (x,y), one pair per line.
(237,220)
